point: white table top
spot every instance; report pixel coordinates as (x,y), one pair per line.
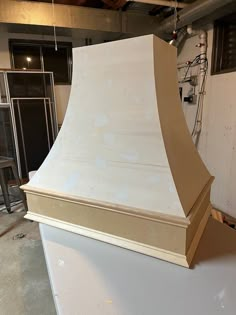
(89,277)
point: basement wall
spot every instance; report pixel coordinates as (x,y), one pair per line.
(217,144)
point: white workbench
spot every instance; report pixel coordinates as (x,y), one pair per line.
(89,277)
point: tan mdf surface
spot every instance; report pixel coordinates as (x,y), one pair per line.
(188,170)
(123,168)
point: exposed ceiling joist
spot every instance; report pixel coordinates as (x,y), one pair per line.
(166,3)
(116,4)
(75,17)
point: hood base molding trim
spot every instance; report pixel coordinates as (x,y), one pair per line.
(142,234)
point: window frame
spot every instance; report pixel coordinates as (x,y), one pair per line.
(41,44)
(218,45)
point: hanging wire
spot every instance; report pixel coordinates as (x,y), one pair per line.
(175,20)
(198,116)
(54,25)
(175,15)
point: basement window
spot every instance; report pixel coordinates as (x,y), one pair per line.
(38,55)
(224,45)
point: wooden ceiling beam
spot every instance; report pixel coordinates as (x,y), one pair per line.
(75,17)
(166,3)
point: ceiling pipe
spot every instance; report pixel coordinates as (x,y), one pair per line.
(217,14)
(192,13)
(166,3)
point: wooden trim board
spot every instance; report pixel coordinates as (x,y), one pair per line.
(179,259)
(114,240)
(160,236)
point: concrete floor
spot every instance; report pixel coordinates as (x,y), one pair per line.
(24,283)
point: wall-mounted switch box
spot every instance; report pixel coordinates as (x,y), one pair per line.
(191,99)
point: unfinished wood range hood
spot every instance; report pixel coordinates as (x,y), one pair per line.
(124,169)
